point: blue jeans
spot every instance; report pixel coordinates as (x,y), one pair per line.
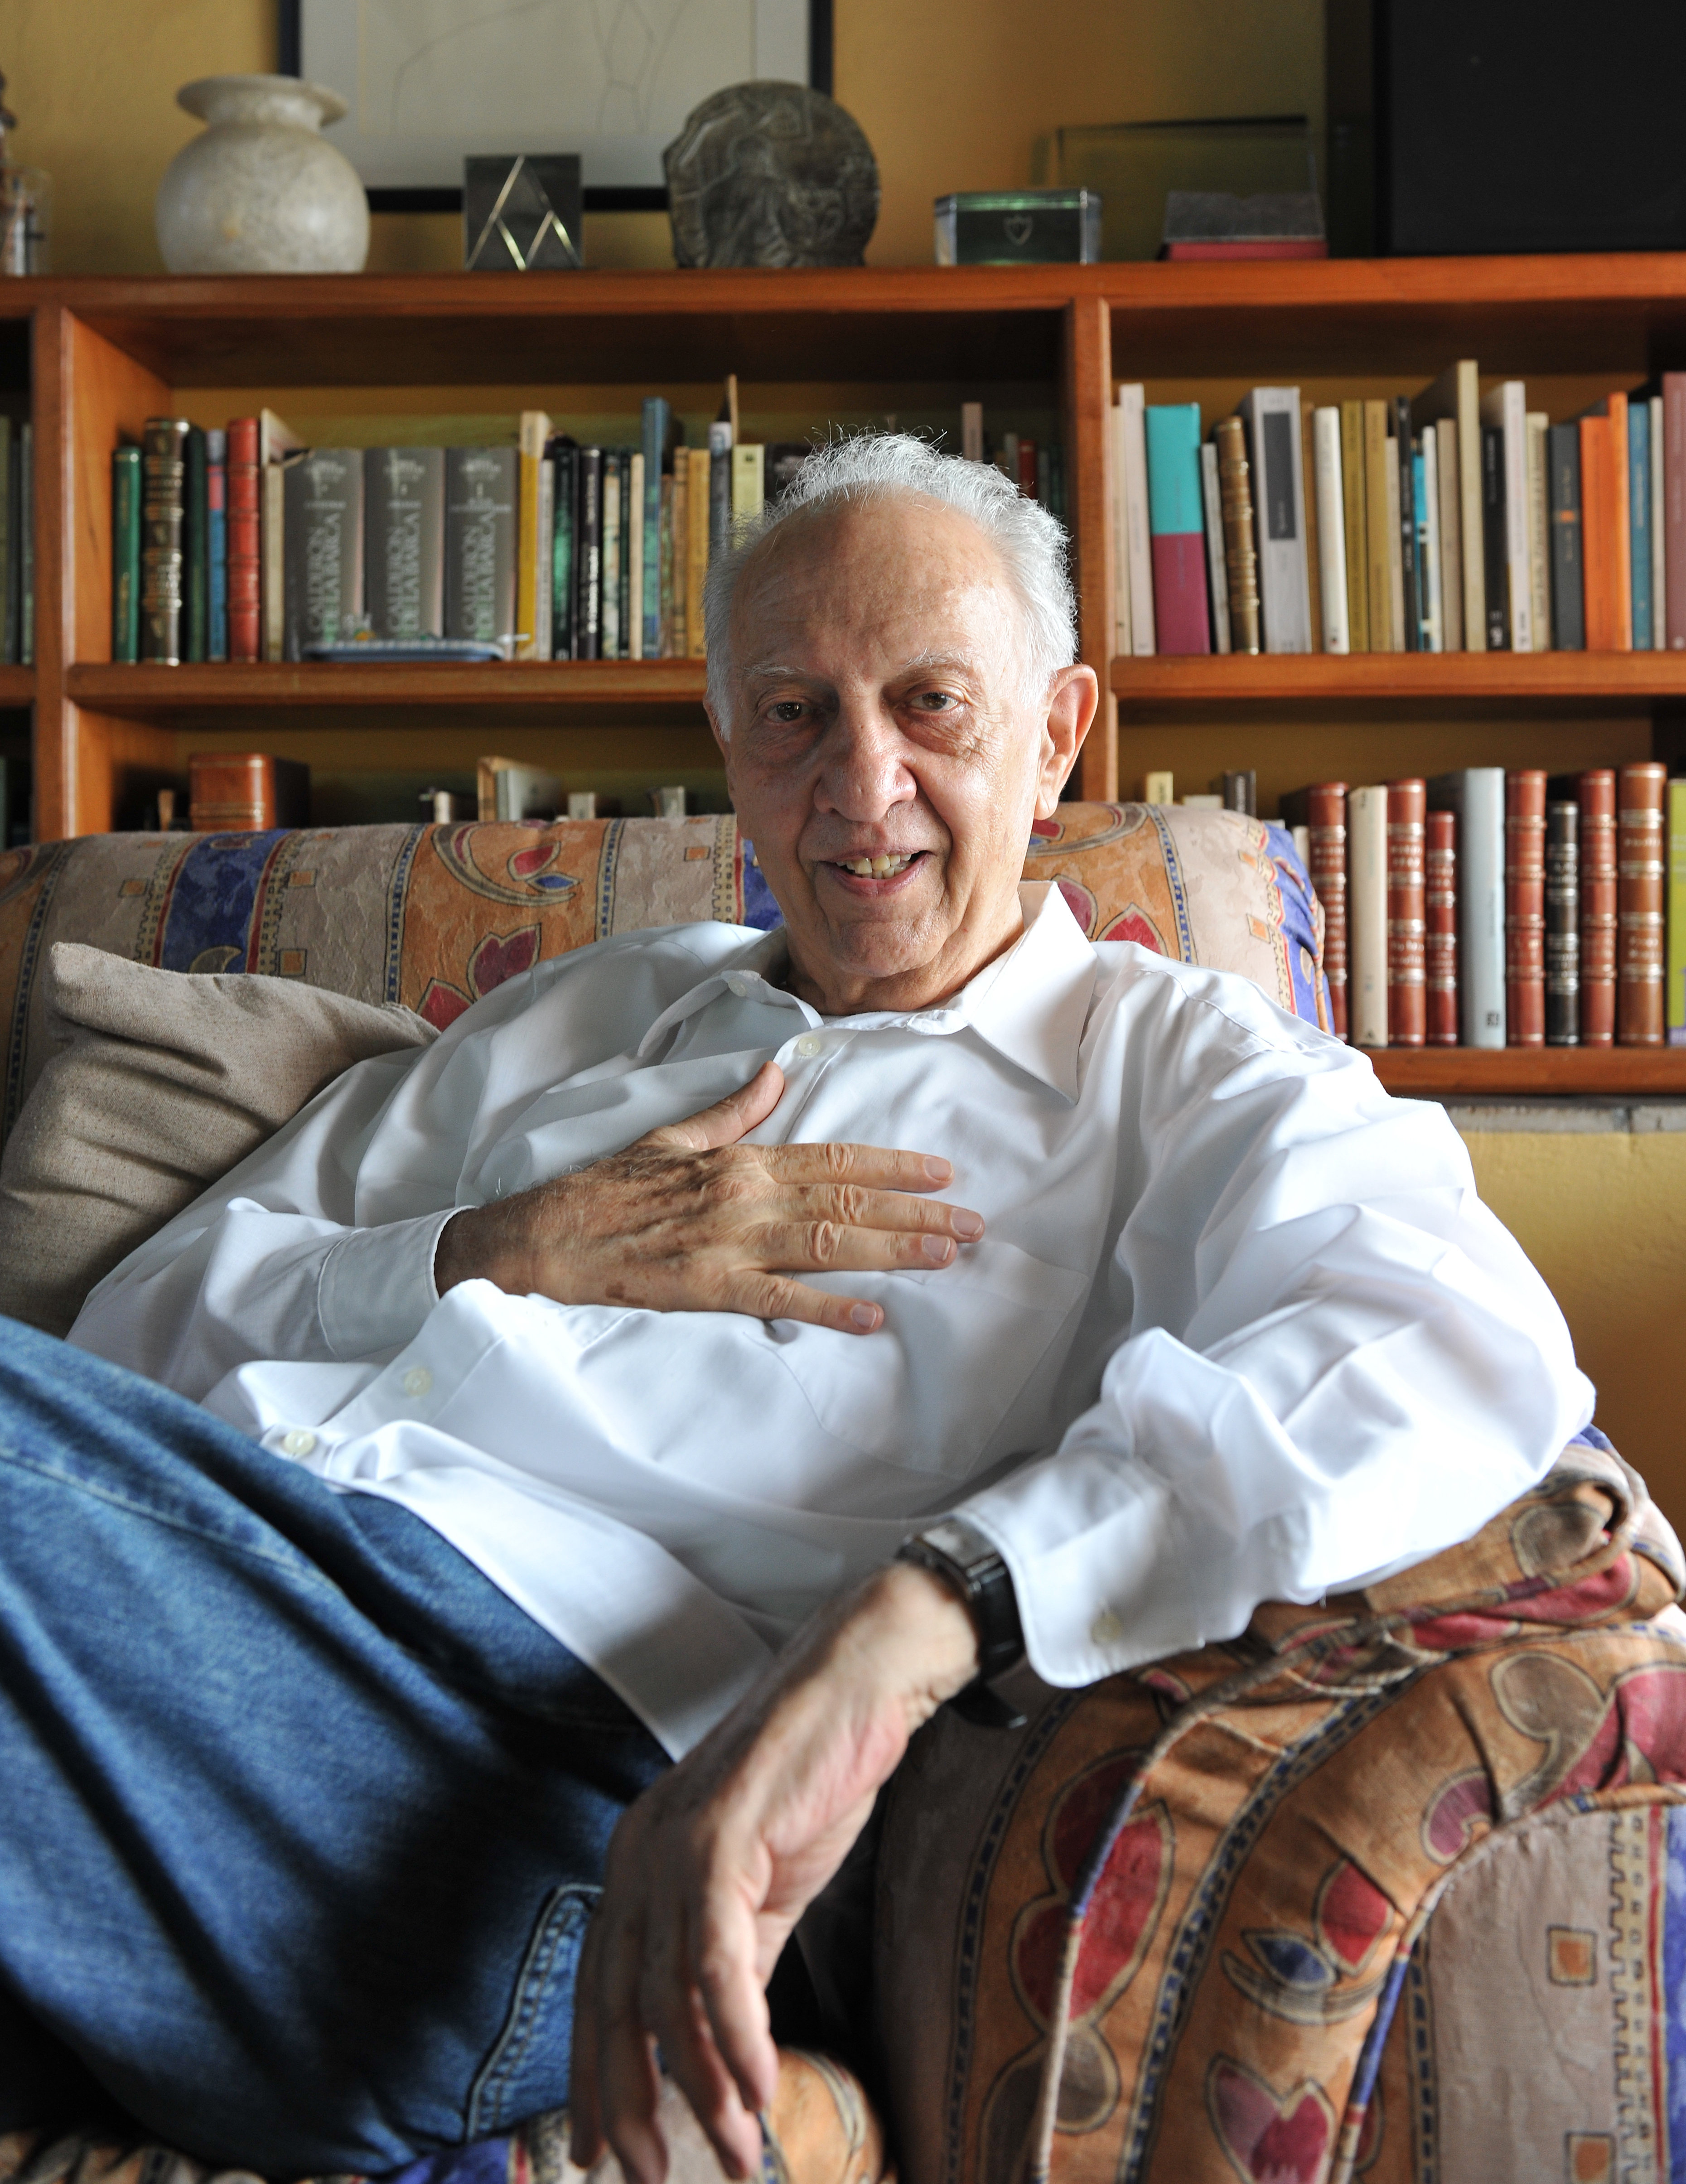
(300,1821)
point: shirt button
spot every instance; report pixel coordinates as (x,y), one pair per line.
(1106,1630)
(418,1380)
(809,1046)
(738,986)
(297,1441)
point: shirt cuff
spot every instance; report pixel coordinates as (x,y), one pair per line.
(376,1286)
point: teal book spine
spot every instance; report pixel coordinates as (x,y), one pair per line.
(1176,527)
(657,416)
(125,554)
(195,557)
(1640,519)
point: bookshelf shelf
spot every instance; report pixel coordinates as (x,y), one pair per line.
(1609,1073)
(1397,684)
(142,693)
(17,687)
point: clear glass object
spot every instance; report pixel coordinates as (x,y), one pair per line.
(1133,164)
(25,204)
(1018,227)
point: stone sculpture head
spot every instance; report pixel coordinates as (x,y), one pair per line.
(770,174)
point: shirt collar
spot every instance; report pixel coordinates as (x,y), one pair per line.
(1031,1003)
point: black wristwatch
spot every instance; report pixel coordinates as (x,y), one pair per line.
(959,1553)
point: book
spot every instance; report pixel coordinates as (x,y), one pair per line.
(610,645)
(196,526)
(1504,408)
(971,431)
(9,526)
(703,468)
(544,610)
(665,570)
(1314,551)
(1396,624)
(1525,907)
(656,447)
(1407,810)
(1639,522)
(564,503)
(1674,506)
(1428,531)
(1674,992)
(1133,443)
(632,557)
(1217,563)
(532,432)
(1599,517)
(216,544)
(126,554)
(1176,529)
(1595,792)
(748,481)
(1641,793)
(1355,527)
(403,497)
(1331,543)
(1320,810)
(1659,533)
(1122,644)
(26,543)
(1410,602)
(1562,921)
(1378,532)
(1568,609)
(278,445)
(1241,561)
(588,557)
(1538,428)
(1271,416)
(1456,394)
(1448,494)
(1440,927)
(323,534)
(162,467)
(481,488)
(1615,409)
(679,601)
(245,623)
(506,789)
(1367,913)
(720,487)
(1238,790)
(1158,789)
(1476,795)
(246,792)
(1495,539)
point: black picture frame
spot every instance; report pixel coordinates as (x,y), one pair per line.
(290,59)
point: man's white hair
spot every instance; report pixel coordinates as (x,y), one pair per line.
(896,466)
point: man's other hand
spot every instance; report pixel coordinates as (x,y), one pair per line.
(688,1219)
(711,1868)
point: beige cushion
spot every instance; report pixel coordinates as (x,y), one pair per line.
(161,1080)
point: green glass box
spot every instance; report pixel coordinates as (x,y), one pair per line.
(1018,227)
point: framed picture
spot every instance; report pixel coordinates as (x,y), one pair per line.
(429,82)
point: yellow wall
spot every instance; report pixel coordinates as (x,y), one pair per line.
(954,94)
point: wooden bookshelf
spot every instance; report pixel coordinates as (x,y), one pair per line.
(101,355)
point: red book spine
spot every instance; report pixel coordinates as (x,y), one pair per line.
(1674,506)
(1440,906)
(1180,620)
(244,596)
(1639,874)
(1525,908)
(1326,820)
(1597,794)
(1027,478)
(1407,992)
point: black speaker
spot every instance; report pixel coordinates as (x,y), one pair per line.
(1507,126)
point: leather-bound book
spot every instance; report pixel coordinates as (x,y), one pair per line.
(1595,792)
(1641,873)
(162,466)
(245,792)
(1322,811)
(1563,921)
(244,595)
(1235,488)
(1407,991)
(1525,907)
(1440,927)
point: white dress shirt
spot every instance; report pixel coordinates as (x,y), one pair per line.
(1239,1328)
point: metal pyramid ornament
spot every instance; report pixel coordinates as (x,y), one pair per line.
(521,214)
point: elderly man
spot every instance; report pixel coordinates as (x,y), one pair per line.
(771,1333)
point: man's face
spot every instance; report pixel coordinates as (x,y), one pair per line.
(880,711)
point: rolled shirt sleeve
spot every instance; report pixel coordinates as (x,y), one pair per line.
(1338,1361)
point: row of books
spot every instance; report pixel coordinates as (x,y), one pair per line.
(245,544)
(1486,908)
(1445,521)
(17,545)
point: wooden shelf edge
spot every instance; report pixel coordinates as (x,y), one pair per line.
(1367,677)
(17,686)
(1610,1072)
(610,682)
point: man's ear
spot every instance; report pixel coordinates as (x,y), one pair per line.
(1072,701)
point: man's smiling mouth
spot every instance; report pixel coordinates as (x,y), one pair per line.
(878,868)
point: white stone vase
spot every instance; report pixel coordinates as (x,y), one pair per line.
(260,192)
